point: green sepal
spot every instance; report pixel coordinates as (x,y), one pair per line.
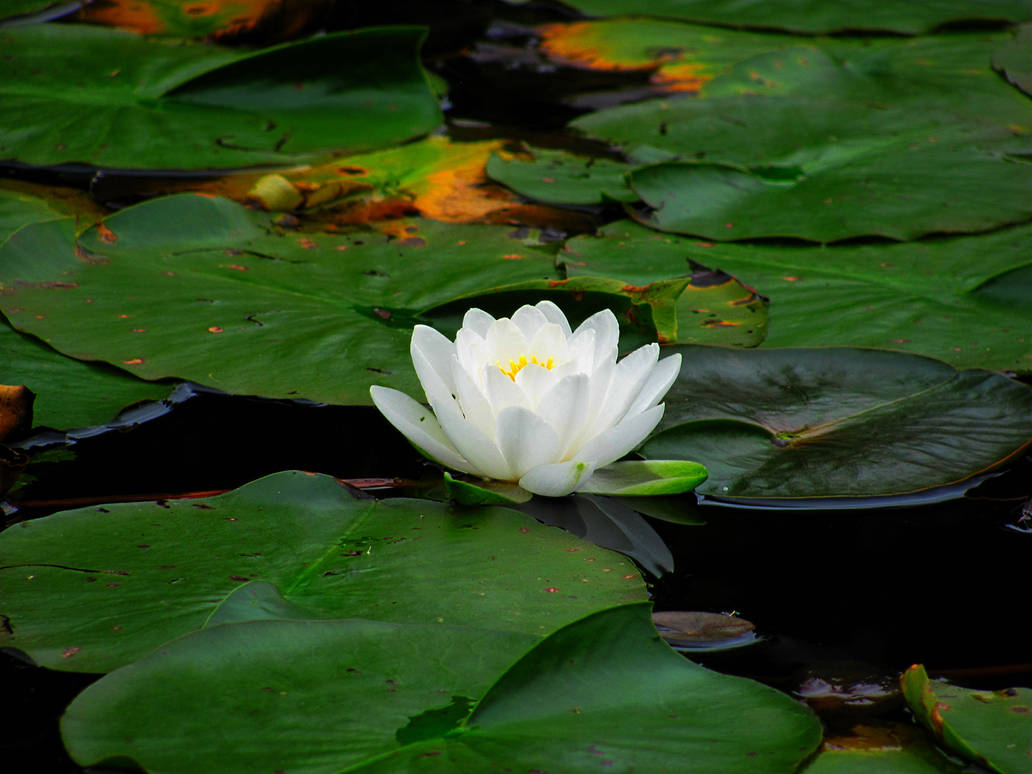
(646,477)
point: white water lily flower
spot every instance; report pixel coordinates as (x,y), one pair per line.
(528,400)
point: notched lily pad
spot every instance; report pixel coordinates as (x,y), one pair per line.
(991,728)
(837,422)
(94,588)
(603,691)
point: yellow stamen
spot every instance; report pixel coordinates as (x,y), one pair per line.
(515,366)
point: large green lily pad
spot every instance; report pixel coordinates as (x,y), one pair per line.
(69,392)
(559,177)
(324,696)
(77,93)
(815,16)
(192,287)
(94,588)
(837,422)
(993,728)
(965,300)
(830,142)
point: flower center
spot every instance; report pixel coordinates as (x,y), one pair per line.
(515,366)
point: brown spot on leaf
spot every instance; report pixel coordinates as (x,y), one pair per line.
(106,235)
(134,361)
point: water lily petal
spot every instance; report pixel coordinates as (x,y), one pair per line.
(630,375)
(656,386)
(472,401)
(526,440)
(614,443)
(420,427)
(472,351)
(535,381)
(501,391)
(607,334)
(581,350)
(565,408)
(477,321)
(554,315)
(473,444)
(505,342)
(558,478)
(528,319)
(432,350)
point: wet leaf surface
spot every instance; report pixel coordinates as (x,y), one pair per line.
(965,300)
(1013,59)
(69,393)
(601,692)
(896,750)
(837,422)
(97,96)
(118,580)
(191,286)
(993,728)
(562,178)
(789,143)
(814,16)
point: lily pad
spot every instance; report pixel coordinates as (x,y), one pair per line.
(19,209)
(992,728)
(788,144)
(69,392)
(95,588)
(85,94)
(559,177)
(1014,59)
(815,16)
(965,300)
(896,749)
(601,692)
(192,287)
(837,422)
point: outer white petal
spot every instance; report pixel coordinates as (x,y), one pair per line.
(526,440)
(432,351)
(529,319)
(607,334)
(657,385)
(565,408)
(617,441)
(581,349)
(421,427)
(557,479)
(477,447)
(472,401)
(471,350)
(629,377)
(554,315)
(477,321)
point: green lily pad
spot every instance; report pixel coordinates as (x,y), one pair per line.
(686,302)
(77,93)
(191,287)
(69,392)
(787,144)
(601,692)
(837,422)
(95,588)
(965,300)
(20,209)
(558,177)
(814,16)
(1014,59)
(992,728)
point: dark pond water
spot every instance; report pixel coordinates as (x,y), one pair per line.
(843,601)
